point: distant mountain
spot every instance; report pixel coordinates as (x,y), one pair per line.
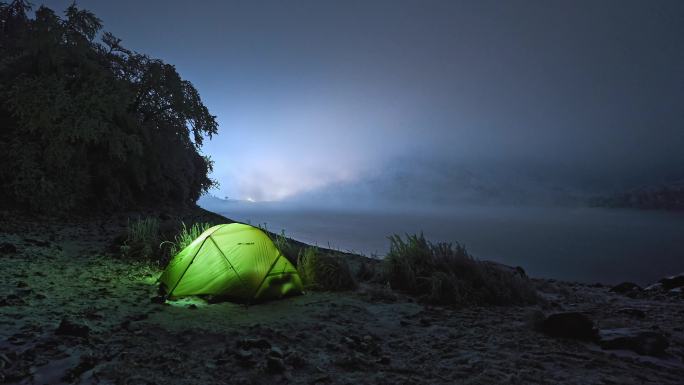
(434,183)
(669,196)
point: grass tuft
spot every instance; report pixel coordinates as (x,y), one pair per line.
(446,274)
(142,239)
(324,272)
(287,248)
(186,235)
(148,241)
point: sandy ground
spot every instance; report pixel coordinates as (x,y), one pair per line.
(112,332)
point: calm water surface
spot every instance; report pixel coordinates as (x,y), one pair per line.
(581,244)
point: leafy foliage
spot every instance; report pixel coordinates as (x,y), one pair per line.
(446,274)
(88,124)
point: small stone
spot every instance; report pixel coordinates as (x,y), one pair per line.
(625,287)
(68,328)
(158,299)
(274,365)
(295,359)
(37,242)
(384,360)
(637,313)
(258,343)
(4,358)
(275,352)
(569,325)
(7,248)
(244,358)
(673,282)
(646,343)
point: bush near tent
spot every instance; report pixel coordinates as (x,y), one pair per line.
(446,274)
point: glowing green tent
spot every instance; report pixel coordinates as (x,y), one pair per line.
(233,260)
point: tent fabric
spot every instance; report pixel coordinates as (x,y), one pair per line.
(233,260)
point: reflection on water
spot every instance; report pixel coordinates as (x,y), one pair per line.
(583,244)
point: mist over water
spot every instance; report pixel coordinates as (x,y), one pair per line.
(570,243)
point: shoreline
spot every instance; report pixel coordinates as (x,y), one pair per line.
(73,314)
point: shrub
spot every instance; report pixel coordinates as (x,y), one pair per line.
(142,239)
(446,274)
(145,239)
(323,271)
(370,271)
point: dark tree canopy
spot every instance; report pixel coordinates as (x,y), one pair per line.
(88,124)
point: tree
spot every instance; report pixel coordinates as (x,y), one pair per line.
(93,125)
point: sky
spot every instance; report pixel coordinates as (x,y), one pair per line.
(321,95)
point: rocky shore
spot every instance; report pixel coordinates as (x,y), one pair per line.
(73,313)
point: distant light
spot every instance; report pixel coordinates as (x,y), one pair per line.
(250,199)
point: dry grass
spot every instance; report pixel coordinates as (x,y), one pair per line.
(145,240)
(185,236)
(324,272)
(142,240)
(446,274)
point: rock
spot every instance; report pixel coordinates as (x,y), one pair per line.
(37,242)
(12,300)
(258,343)
(384,360)
(673,282)
(535,319)
(137,380)
(654,287)
(245,358)
(520,271)
(158,299)
(642,342)
(352,362)
(569,325)
(295,359)
(275,352)
(625,288)
(637,313)
(274,365)
(85,363)
(68,328)
(7,248)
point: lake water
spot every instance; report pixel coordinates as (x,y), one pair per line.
(579,244)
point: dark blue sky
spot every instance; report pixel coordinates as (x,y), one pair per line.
(317,93)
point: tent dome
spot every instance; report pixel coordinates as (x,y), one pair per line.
(234,260)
